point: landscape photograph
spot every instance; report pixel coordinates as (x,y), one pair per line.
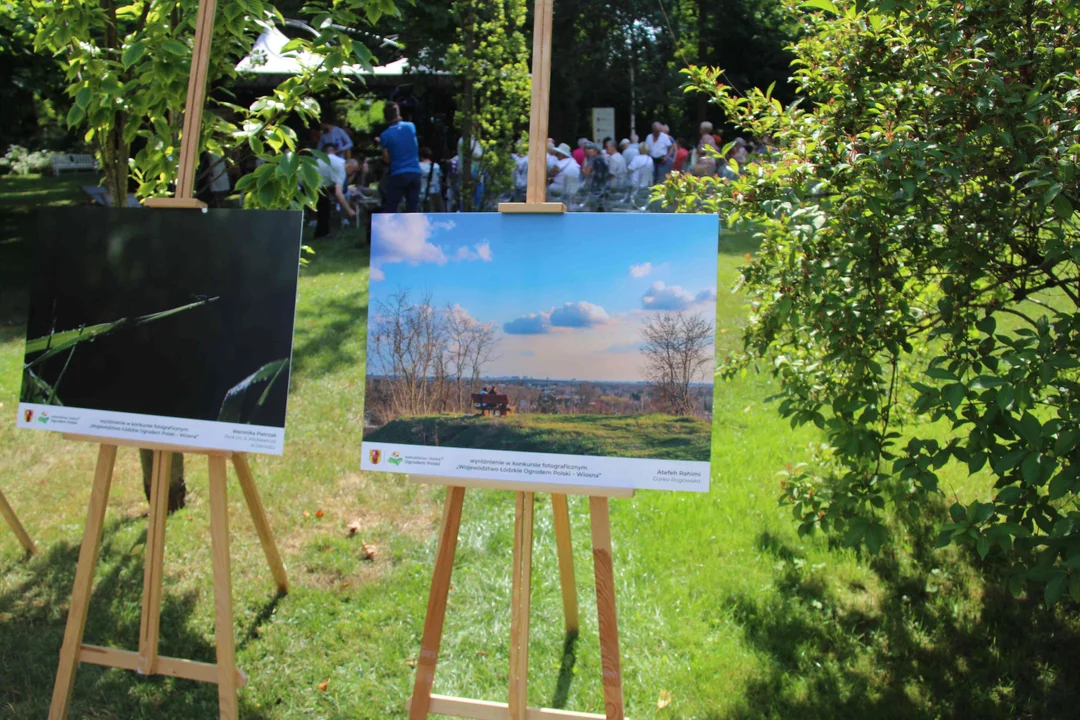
(579,335)
(177,314)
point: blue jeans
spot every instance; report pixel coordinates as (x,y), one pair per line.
(403,185)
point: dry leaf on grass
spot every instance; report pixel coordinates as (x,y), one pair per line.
(352,528)
(323,685)
(307,514)
(369,551)
(319,513)
(411,663)
(481,653)
(664,700)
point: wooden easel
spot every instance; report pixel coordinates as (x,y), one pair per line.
(422,701)
(147,661)
(16,526)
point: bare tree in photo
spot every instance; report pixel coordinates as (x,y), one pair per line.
(678,349)
(408,342)
(424,358)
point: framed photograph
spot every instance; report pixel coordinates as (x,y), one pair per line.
(575,349)
(168,326)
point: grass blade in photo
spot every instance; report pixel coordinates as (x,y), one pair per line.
(236,399)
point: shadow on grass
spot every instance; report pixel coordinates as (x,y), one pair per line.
(927,645)
(324,333)
(33,614)
(566,672)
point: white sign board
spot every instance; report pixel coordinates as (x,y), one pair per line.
(603,123)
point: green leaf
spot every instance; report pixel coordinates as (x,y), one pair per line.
(1062,207)
(875,537)
(940,373)
(982,546)
(75,115)
(175,47)
(826,5)
(953,394)
(1074,586)
(83,97)
(1054,588)
(133,53)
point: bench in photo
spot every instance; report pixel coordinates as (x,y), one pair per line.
(72,161)
(491,404)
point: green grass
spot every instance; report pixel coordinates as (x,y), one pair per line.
(642,436)
(720,602)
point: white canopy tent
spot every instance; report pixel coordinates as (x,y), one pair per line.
(267,58)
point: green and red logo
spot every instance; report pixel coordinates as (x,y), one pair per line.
(395,458)
(376,456)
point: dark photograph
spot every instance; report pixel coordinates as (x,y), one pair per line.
(170,313)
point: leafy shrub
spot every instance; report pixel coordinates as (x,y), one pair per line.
(20,161)
(920,266)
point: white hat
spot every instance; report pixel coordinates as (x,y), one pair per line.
(562,149)
(623,143)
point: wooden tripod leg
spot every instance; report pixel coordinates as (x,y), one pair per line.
(605,607)
(258,517)
(223,610)
(521,591)
(16,526)
(84,580)
(561,510)
(436,609)
(154,569)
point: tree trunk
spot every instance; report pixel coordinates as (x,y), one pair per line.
(177,486)
(465,155)
(114,163)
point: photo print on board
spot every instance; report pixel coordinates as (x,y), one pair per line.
(169,326)
(574,349)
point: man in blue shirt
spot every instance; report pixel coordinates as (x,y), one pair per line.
(401,156)
(333,135)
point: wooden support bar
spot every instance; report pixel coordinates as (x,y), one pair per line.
(143,445)
(605,608)
(536,191)
(553,488)
(223,610)
(521,595)
(484,710)
(16,526)
(564,545)
(171,667)
(436,609)
(527,207)
(84,580)
(174,203)
(154,564)
(196,96)
(258,517)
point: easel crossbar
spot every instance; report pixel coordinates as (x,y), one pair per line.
(484,710)
(172,667)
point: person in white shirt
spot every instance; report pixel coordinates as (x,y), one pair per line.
(616,165)
(333,174)
(431,198)
(521,175)
(640,169)
(629,150)
(566,172)
(661,148)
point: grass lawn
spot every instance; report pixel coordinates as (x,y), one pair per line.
(720,603)
(652,436)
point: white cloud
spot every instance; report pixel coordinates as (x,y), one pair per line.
(404,238)
(377,274)
(640,271)
(480,251)
(531,324)
(672,297)
(578,315)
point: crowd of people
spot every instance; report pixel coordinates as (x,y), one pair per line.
(594,176)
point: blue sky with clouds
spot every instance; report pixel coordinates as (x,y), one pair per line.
(567,293)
